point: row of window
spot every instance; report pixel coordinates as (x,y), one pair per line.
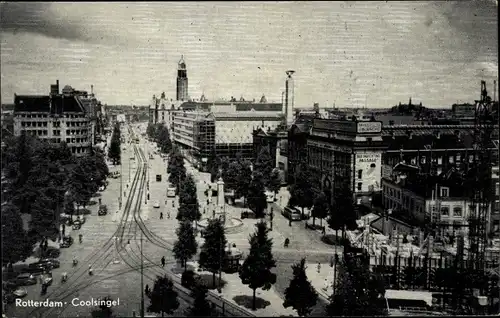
(46,116)
(76,140)
(423,159)
(396,193)
(34,124)
(445,211)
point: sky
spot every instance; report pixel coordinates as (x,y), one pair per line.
(353,54)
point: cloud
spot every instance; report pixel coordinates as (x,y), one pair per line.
(35,17)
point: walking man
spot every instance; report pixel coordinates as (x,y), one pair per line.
(163,261)
(161,215)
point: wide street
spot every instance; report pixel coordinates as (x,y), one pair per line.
(112,243)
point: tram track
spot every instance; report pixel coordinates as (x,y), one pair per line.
(98,259)
(153,271)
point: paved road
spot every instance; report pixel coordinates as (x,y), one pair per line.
(96,231)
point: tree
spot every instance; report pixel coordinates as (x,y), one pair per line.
(15,242)
(43,219)
(358,291)
(201,307)
(81,184)
(243,180)
(103,310)
(256,196)
(256,269)
(185,247)
(114,152)
(163,139)
(320,208)
(300,295)
(189,208)
(212,251)
(301,192)
(344,205)
(163,297)
(275,181)
(176,168)
(264,164)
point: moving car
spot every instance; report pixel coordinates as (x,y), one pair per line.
(158,178)
(25,279)
(291,213)
(156,204)
(171,192)
(247,215)
(103,210)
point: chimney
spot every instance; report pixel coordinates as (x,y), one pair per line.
(289,97)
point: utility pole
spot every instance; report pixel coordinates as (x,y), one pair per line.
(121,186)
(142,282)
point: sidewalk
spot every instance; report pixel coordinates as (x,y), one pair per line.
(322,281)
(268,299)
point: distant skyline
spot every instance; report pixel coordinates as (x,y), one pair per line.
(351,53)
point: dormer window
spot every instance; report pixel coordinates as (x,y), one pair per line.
(445,192)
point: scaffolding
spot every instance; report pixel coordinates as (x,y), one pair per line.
(479,180)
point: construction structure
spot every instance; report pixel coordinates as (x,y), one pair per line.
(479,180)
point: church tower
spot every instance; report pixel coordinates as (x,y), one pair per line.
(182,81)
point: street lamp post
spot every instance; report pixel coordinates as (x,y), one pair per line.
(271,216)
(121,186)
(142,281)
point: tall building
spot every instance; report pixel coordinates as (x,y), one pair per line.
(55,117)
(289,98)
(182,81)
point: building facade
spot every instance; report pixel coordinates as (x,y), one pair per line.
(346,153)
(56,118)
(276,143)
(204,136)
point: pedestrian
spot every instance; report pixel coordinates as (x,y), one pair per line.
(319,267)
(63,229)
(147,289)
(80,238)
(161,215)
(168,215)
(324,230)
(163,261)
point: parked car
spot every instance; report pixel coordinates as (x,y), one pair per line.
(80,219)
(9,285)
(67,242)
(248,215)
(53,263)
(25,279)
(77,226)
(102,188)
(53,253)
(103,210)
(156,204)
(20,292)
(35,270)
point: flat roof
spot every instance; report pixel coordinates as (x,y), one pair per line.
(409,295)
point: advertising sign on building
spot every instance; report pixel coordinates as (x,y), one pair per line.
(369,127)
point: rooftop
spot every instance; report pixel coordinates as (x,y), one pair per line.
(44,103)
